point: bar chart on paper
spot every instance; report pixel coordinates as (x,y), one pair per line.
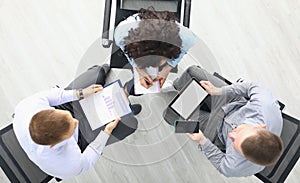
(109,104)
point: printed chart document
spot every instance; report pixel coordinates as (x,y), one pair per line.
(106,105)
(139,89)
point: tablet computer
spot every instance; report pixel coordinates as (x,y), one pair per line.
(188,99)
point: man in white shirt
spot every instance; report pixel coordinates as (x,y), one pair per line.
(49,135)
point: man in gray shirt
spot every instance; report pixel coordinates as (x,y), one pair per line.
(239,137)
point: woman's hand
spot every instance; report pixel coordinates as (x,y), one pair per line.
(162,75)
(145,79)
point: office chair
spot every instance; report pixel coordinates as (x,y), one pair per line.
(126,8)
(14,161)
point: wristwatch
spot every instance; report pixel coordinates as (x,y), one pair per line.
(201,143)
(80,94)
(200,147)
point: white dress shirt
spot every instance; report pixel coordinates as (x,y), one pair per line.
(65,159)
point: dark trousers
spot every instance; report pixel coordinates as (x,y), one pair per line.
(127,125)
(129,87)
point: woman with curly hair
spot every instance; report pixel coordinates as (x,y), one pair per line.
(153,38)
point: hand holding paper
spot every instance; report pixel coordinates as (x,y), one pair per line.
(111,126)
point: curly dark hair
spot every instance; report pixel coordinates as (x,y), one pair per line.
(157,34)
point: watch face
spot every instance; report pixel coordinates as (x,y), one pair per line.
(80,94)
(200,147)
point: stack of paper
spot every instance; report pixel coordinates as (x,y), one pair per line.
(139,89)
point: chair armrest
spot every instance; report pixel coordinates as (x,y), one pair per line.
(106,24)
(187,12)
(222,78)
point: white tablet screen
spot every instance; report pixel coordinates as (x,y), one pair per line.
(189,99)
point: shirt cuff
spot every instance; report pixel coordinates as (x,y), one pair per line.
(170,63)
(99,143)
(226,90)
(202,143)
(70,95)
(75,97)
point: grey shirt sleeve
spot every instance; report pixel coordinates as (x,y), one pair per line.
(213,154)
(258,95)
(231,163)
(238,89)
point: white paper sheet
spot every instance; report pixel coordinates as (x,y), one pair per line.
(139,89)
(106,105)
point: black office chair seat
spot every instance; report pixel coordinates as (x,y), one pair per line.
(14,161)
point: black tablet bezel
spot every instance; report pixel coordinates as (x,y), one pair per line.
(180,92)
(186,122)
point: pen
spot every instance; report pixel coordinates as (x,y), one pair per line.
(147,80)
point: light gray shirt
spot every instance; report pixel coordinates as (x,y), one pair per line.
(262,108)
(65,159)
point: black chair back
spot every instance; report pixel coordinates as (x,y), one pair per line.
(279,171)
(14,161)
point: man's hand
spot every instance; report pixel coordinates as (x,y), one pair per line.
(210,88)
(111,126)
(88,91)
(197,137)
(163,74)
